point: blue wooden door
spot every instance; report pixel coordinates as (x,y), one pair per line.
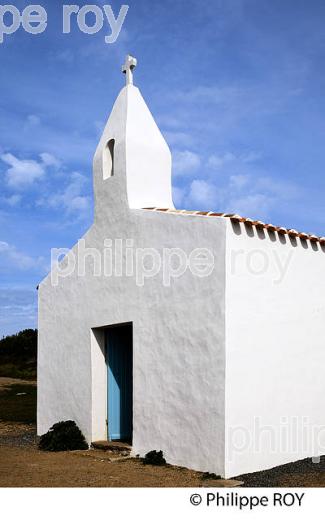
(119,366)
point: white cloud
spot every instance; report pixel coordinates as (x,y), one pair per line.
(218,161)
(178,196)
(235,197)
(229,159)
(257,205)
(185,162)
(4,246)
(25,172)
(10,255)
(49,159)
(202,195)
(239,181)
(71,198)
(22,172)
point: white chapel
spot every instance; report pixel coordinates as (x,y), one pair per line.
(200,334)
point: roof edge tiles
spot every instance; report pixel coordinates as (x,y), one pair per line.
(292,233)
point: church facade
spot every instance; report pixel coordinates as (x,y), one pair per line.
(196,333)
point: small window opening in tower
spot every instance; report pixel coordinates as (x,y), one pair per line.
(108,159)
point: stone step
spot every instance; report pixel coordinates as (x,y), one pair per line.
(117,446)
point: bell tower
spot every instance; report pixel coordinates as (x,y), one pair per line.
(132,163)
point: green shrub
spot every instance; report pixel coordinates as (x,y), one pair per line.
(155,458)
(63,436)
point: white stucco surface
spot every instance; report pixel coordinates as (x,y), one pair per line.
(210,354)
(142,158)
(178,335)
(275,355)
(178,330)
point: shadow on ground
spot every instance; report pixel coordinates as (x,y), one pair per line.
(302,473)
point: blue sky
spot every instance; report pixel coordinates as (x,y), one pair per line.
(236,86)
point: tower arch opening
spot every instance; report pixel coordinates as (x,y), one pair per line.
(108,159)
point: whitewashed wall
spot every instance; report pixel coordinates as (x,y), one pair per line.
(178,331)
(275,347)
(209,354)
(178,345)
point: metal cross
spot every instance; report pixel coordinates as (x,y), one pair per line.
(127,69)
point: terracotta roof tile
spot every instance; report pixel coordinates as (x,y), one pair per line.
(270,227)
(248,221)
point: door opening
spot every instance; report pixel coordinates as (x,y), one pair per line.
(119,354)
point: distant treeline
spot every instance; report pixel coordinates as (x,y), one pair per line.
(18,355)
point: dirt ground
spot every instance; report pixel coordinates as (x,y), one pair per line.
(23,465)
(28,467)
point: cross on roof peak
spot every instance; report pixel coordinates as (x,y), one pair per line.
(127,69)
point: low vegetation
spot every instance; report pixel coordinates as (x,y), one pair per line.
(18,355)
(63,436)
(155,458)
(210,476)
